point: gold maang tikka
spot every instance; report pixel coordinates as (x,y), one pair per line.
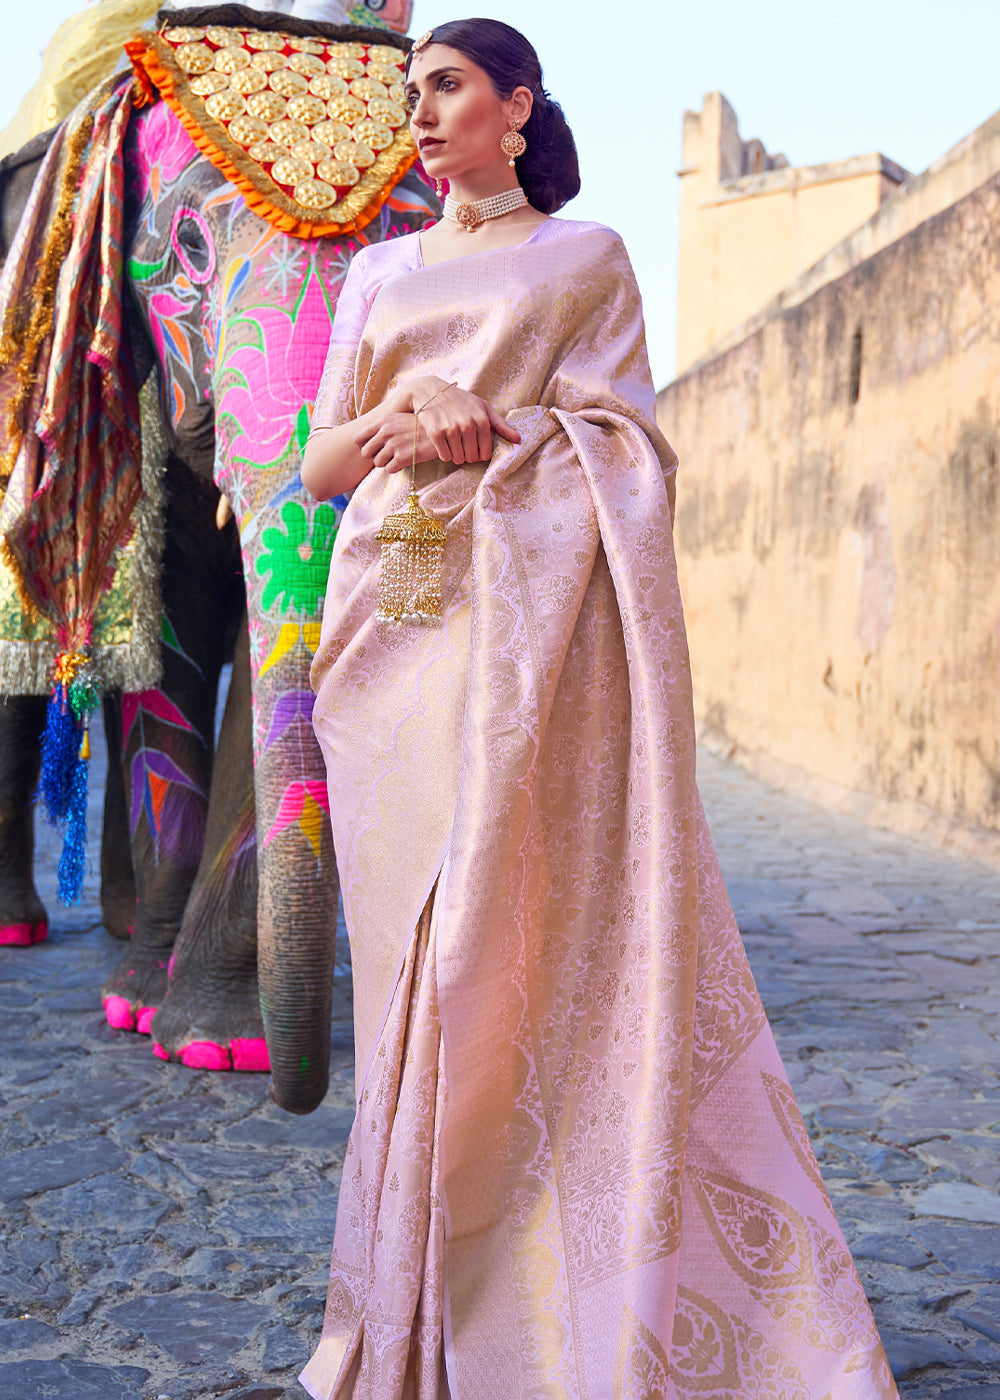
(412,554)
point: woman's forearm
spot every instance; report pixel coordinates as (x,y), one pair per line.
(332,463)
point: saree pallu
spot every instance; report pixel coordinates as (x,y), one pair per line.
(577,1169)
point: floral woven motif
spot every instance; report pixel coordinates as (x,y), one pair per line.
(313,131)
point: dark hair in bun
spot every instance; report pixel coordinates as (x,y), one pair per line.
(548,171)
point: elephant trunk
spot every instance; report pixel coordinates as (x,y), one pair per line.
(297,920)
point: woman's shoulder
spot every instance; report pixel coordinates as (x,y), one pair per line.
(561,228)
(375,262)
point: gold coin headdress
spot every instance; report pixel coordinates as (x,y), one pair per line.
(313,131)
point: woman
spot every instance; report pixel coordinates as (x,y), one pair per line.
(576,1168)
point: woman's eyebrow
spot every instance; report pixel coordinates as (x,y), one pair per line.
(437,72)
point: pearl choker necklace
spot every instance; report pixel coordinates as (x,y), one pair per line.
(494,206)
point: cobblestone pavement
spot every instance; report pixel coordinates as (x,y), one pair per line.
(166,1231)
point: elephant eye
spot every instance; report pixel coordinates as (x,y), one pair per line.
(194,243)
(375,4)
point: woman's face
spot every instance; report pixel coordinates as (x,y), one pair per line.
(456,117)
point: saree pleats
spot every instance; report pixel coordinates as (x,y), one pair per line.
(576,1151)
(384,1314)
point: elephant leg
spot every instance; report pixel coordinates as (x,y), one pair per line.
(117,877)
(210,1018)
(168,738)
(23,919)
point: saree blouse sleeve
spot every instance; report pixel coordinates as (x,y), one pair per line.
(335,396)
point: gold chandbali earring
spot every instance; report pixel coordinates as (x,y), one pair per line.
(512,143)
(412,554)
(438,190)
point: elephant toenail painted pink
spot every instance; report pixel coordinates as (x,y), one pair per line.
(119,1014)
(159,1051)
(250,1055)
(144,1019)
(17,935)
(204,1054)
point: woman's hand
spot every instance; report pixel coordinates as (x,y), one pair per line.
(455,427)
(390,444)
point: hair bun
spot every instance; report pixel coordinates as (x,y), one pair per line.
(549,171)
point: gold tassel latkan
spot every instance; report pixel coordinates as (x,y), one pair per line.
(412,555)
(412,562)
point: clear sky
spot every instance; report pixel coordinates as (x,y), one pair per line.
(817,81)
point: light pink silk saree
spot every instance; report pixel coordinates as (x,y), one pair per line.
(577,1170)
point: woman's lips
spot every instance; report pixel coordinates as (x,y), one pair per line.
(429,143)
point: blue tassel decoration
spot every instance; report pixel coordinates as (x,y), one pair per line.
(63,782)
(72,860)
(60,751)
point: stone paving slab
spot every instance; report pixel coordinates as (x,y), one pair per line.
(166,1232)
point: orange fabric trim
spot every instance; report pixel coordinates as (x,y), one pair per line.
(154,75)
(144,94)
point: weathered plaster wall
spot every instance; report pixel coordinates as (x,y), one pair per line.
(750,224)
(838,526)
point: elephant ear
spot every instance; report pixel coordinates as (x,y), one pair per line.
(308,121)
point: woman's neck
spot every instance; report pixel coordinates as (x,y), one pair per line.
(475,184)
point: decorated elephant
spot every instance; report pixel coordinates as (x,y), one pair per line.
(201,596)
(237,221)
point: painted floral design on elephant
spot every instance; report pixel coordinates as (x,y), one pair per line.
(294,558)
(173,802)
(270,363)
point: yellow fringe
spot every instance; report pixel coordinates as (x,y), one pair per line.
(28,605)
(152,59)
(23,338)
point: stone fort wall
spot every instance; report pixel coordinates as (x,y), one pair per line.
(751,224)
(838,529)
